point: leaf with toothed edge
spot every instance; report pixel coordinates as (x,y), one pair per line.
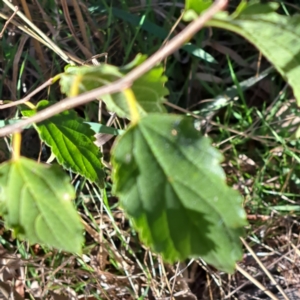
(171,185)
(36,202)
(72,142)
(149,89)
(276,36)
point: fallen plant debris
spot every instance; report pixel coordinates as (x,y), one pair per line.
(124,177)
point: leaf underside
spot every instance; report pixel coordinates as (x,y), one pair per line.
(36,202)
(276,36)
(169,181)
(149,89)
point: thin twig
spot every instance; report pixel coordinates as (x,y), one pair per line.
(27,98)
(127,80)
(8,21)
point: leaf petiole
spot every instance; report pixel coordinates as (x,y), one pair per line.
(16,143)
(132,104)
(30,105)
(56,78)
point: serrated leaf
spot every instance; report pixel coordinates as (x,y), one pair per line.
(72,142)
(92,77)
(276,36)
(149,89)
(36,203)
(170,183)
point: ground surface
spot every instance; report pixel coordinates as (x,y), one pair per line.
(260,165)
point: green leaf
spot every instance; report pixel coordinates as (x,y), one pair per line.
(72,142)
(197,5)
(36,202)
(139,58)
(189,15)
(149,89)
(96,127)
(93,77)
(242,6)
(198,52)
(285,207)
(276,36)
(170,183)
(254,7)
(100,128)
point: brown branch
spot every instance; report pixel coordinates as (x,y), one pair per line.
(127,80)
(8,20)
(27,98)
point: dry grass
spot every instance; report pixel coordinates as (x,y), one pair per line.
(260,163)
